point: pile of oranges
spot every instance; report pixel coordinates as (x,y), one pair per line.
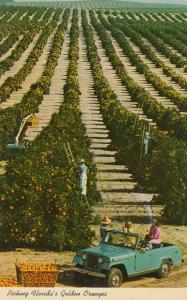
(36,267)
(36,274)
(6,282)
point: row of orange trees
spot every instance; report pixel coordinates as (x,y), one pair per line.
(41,202)
(166,118)
(29,33)
(14,83)
(176,31)
(163,169)
(11,117)
(170,39)
(163,88)
(7,25)
(160,45)
(20,25)
(150,54)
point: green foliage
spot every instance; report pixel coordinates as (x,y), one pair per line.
(11,117)
(13,83)
(96,220)
(42,206)
(136,38)
(166,118)
(156,40)
(163,169)
(29,29)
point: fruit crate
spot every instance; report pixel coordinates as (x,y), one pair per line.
(8,282)
(36,274)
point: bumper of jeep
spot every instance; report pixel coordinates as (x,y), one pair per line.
(87,272)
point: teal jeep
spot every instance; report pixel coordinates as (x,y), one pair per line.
(120,256)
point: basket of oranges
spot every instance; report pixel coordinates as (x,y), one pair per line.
(36,274)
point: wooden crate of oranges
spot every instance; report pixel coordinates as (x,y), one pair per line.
(36,274)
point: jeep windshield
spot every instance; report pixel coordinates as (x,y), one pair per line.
(120,239)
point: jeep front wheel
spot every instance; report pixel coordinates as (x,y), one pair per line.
(115,278)
(164,269)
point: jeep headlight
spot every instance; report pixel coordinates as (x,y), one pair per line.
(100,260)
(84,256)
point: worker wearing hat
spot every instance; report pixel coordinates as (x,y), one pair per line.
(105,222)
(146,142)
(83,177)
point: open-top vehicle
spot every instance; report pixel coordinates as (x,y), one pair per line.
(120,255)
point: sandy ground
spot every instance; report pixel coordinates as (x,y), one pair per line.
(174,234)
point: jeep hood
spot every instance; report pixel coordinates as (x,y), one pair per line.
(110,251)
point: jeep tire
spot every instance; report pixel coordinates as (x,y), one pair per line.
(114,278)
(164,270)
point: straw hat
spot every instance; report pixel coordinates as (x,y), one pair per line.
(82,160)
(106,220)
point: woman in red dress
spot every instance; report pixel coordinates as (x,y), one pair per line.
(154,234)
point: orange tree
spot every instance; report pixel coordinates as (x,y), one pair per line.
(163,169)
(32,28)
(41,202)
(166,118)
(11,117)
(146,49)
(159,44)
(13,83)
